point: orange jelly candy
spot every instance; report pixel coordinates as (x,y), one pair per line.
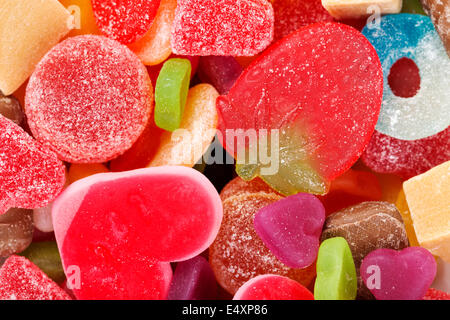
(84,19)
(80,171)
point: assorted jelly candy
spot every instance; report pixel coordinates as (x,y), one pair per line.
(433,294)
(30,175)
(272,287)
(16,231)
(224,28)
(398,275)
(428,200)
(237,186)
(336,273)
(78,171)
(20,279)
(171,92)
(238,254)
(367,226)
(89,99)
(42,218)
(10,108)
(291,228)
(154,47)
(402,207)
(406,158)
(353,9)
(130,225)
(412,36)
(45,255)
(320,110)
(291,15)
(27,35)
(83,17)
(438,11)
(220,71)
(193,280)
(125,21)
(353,187)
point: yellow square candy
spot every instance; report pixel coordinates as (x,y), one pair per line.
(28,30)
(428,197)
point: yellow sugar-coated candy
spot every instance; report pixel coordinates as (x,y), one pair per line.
(402,207)
(83,17)
(428,198)
(186,145)
(28,29)
(354,9)
(80,171)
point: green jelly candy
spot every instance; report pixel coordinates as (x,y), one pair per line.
(46,256)
(336,273)
(171,92)
(412,6)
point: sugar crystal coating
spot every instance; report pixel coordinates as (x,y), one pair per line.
(222,27)
(125,21)
(89,99)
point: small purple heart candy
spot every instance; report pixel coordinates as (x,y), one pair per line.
(398,275)
(291,228)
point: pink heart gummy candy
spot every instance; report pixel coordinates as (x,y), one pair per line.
(20,279)
(272,287)
(398,275)
(291,228)
(130,225)
(30,175)
(222,27)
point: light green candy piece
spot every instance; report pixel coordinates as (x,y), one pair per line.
(171,92)
(336,273)
(412,6)
(46,256)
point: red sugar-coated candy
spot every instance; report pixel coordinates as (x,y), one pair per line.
(125,20)
(222,27)
(89,99)
(237,186)
(272,287)
(434,294)
(31,176)
(406,158)
(193,280)
(125,223)
(291,15)
(321,88)
(20,279)
(220,71)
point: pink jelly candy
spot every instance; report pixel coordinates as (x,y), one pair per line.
(125,21)
(272,287)
(89,99)
(291,228)
(220,71)
(406,158)
(291,15)
(398,275)
(193,280)
(130,225)
(224,27)
(316,94)
(30,175)
(20,279)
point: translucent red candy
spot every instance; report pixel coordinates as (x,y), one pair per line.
(320,89)
(31,176)
(220,71)
(123,229)
(125,20)
(89,99)
(225,27)
(406,158)
(272,287)
(20,279)
(291,15)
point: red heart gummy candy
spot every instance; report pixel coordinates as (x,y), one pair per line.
(125,21)
(20,279)
(222,27)
(272,287)
(30,175)
(318,94)
(122,229)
